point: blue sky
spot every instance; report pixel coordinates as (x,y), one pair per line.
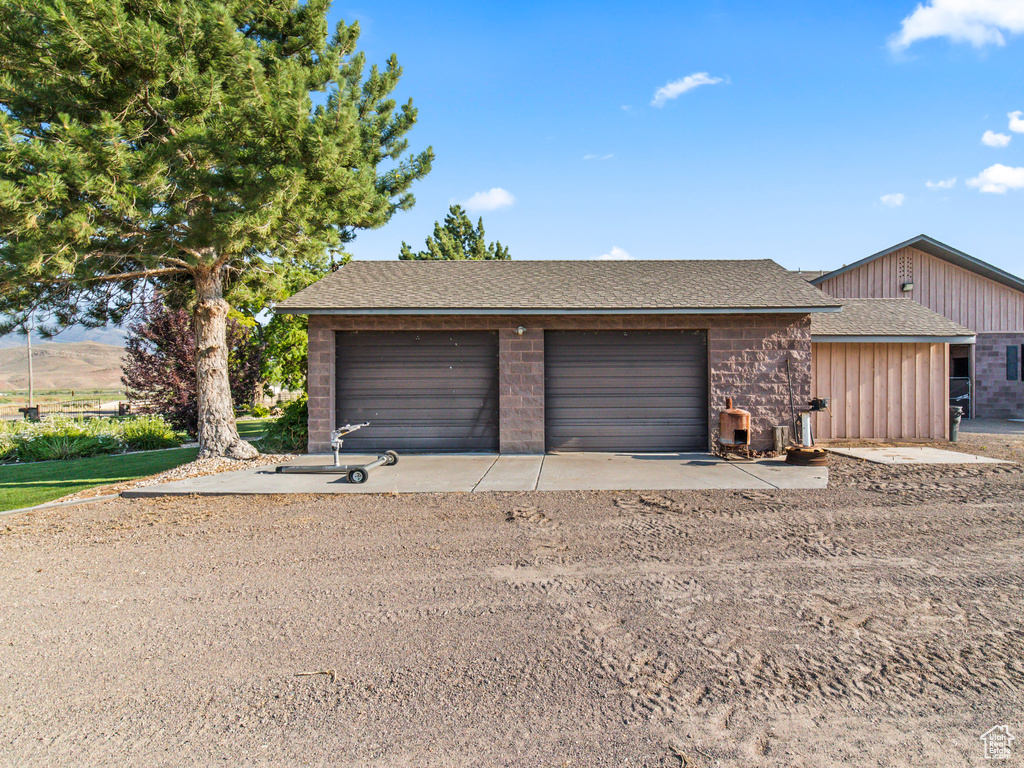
(805,132)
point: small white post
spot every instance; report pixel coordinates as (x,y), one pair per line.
(805,429)
(31,386)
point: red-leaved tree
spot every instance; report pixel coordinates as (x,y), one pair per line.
(160,365)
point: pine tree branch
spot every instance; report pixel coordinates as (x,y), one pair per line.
(136,275)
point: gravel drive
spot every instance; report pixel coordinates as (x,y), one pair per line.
(874,623)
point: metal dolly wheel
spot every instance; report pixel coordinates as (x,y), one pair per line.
(356,473)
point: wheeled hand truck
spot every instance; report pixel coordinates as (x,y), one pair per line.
(356,473)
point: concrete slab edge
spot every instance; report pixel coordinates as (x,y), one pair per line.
(157,494)
(860,454)
(769,483)
(489,468)
(60,504)
(147,493)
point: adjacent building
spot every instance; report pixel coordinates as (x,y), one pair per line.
(986,377)
(884,364)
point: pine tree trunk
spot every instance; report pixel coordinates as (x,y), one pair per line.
(218,435)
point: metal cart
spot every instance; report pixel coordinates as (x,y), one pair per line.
(356,473)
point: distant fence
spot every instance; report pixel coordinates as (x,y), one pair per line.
(280,397)
(77,409)
(81,408)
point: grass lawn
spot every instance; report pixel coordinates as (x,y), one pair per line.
(24,485)
(253,428)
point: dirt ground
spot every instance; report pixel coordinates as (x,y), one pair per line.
(876,623)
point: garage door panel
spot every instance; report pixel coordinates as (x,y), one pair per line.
(423,374)
(412,415)
(596,428)
(596,424)
(619,403)
(426,391)
(416,445)
(615,394)
(421,391)
(626,414)
(603,385)
(417,400)
(596,377)
(626,391)
(427,368)
(657,399)
(426,431)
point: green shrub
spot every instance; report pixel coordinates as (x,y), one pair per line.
(7,450)
(260,411)
(67,446)
(290,433)
(61,437)
(148,433)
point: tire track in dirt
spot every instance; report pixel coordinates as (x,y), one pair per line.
(873,665)
(545,542)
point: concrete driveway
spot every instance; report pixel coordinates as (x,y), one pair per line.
(435,473)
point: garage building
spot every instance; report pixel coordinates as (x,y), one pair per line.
(533,356)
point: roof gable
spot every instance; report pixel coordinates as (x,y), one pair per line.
(559,287)
(933,247)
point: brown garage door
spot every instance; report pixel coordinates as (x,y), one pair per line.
(643,391)
(420,391)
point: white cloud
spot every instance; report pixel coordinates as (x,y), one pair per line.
(993,139)
(1016,123)
(998,178)
(894,200)
(944,184)
(978,22)
(490,200)
(598,157)
(615,254)
(677,88)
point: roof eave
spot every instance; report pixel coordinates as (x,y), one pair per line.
(881,339)
(800,310)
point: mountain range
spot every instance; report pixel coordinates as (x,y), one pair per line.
(112,335)
(70,365)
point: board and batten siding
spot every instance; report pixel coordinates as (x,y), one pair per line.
(881,391)
(974,301)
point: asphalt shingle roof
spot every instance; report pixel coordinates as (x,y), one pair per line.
(885,317)
(451,287)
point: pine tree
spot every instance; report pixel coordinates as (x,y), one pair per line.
(457,239)
(199,146)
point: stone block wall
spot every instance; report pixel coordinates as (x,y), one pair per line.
(521,390)
(747,357)
(320,383)
(747,361)
(996,397)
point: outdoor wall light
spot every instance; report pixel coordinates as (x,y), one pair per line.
(907,287)
(520,331)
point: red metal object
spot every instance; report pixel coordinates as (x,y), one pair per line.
(734,428)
